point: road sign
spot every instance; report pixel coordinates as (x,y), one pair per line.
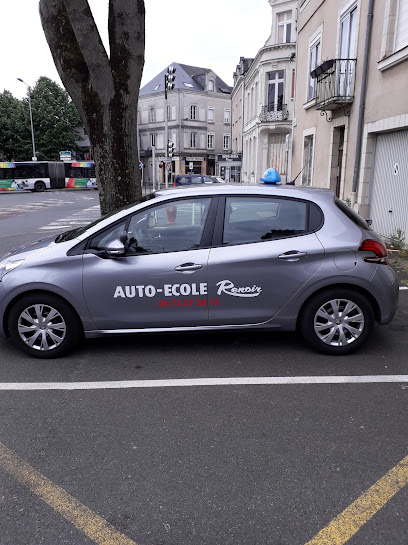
(140,164)
(168,166)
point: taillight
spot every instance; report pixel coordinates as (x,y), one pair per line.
(378,248)
(175,185)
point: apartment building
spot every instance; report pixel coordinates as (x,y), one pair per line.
(268,98)
(351,112)
(198,112)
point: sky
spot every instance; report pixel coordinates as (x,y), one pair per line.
(211,34)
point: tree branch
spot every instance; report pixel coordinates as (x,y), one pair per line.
(92,48)
(67,56)
(126,26)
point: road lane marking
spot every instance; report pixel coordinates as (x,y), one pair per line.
(170,383)
(345,525)
(85,520)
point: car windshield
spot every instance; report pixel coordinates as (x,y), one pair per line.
(74,233)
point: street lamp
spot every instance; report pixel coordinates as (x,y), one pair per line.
(34,157)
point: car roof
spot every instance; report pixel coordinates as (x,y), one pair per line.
(299,192)
(318,195)
(191,175)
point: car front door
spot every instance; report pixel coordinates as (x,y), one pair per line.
(265,253)
(161,282)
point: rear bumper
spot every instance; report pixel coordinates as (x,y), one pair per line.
(386,290)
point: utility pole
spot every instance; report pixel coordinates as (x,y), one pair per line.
(34,157)
(169,84)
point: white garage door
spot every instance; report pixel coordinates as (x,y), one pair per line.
(389,197)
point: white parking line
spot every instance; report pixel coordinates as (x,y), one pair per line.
(171,383)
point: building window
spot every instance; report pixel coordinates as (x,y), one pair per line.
(210,140)
(276,81)
(284,27)
(151,115)
(226,141)
(210,115)
(401,27)
(152,140)
(211,85)
(168,113)
(348,34)
(193,140)
(226,115)
(292,92)
(347,50)
(193,112)
(314,59)
(308,147)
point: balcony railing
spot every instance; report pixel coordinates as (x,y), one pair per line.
(334,83)
(274,112)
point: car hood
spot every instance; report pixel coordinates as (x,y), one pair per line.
(30,248)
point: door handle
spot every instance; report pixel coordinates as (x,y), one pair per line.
(188,267)
(293,255)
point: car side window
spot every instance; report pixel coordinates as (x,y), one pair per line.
(182,180)
(102,239)
(208,180)
(197,180)
(171,227)
(259,219)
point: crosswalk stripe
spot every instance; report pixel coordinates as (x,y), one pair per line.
(80,218)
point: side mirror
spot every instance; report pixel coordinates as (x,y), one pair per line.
(115,248)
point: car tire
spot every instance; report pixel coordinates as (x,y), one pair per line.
(337,321)
(37,337)
(40,187)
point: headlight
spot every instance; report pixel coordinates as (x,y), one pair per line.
(8,265)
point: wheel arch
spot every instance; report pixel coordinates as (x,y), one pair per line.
(31,292)
(343,285)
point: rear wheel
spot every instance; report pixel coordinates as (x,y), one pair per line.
(40,186)
(337,321)
(44,326)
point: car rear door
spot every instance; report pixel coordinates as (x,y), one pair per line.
(264,252)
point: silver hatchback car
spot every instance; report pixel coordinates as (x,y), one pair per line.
(276,258)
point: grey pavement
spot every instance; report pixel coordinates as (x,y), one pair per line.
(210,465)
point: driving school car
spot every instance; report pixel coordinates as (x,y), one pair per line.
(275,258)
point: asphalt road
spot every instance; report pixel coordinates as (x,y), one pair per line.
(198,463)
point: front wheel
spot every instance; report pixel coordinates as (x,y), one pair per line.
(337,321)
(40,187)
(44,326)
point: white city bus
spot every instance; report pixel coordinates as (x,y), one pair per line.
(42,175)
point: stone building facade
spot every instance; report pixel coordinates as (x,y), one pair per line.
(198,113)
(351,128)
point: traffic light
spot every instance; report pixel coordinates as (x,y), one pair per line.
(170,77)
(170,149)
(161,164)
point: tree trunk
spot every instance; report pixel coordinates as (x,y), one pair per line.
(104,90)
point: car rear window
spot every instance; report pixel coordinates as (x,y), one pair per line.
(355,218)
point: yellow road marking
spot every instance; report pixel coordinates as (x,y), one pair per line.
(91,524)
(345,525)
